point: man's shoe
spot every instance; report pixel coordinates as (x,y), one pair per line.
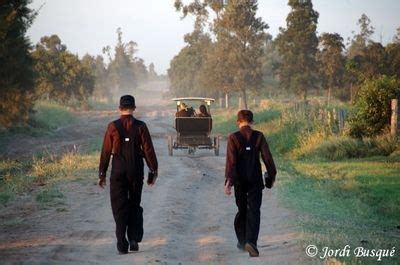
(240,246)
(122,248)
(122,252)
(133,246)
(252,249)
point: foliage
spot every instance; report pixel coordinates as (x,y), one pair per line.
(16,74)
(125,70)
(62,77)
(242,37)
(297,45)
(331,62)
(232,62)
(372,109)
(184,72)
(98,68)
(393,58)
(361,39)
(270,62)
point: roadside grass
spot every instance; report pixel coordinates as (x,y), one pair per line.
(50,196)
(47,117)
(353,202)
(224,121)
(43,176)
(50,116)
(343,190)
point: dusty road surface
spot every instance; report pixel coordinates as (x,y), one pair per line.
(188,219)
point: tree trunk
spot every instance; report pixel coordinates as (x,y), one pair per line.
(220,99)
(351,93)
(304,95)
(244,99)
(329,95)
(226,100)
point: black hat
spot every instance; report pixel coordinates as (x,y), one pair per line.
(127,102)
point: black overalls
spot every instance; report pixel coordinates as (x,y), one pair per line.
(126,183)
(248,189)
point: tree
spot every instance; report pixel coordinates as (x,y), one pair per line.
(331,60)
(234,60)
(241,37)
(139,70)
(396,38)
(270,63)
(184,71)
(372,108)
(61,76)
(361,39)
(120,67)
(101,90)
(297,45)
(16,64)
(152,72)
(393,58)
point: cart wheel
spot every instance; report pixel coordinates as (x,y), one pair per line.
(191,151)
(170,150)
(216,146)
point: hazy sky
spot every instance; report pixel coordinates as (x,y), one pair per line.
(86,26)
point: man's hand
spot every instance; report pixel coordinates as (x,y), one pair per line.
(102,182)
(151,179)
(228,189)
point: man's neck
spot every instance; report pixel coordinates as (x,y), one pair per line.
(126,113)
(243,124)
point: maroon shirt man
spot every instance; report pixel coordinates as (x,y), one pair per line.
(128,141)
(243,171)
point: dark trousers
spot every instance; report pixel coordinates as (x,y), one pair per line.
(247,220)
(127,212)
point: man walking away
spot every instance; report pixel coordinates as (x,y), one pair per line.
(128,141)
(243,171)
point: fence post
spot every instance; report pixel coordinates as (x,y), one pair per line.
(341,119)
(393,121)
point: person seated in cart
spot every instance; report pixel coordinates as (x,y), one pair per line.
(203,112)
(184,111)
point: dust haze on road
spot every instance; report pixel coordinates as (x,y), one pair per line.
(187,217)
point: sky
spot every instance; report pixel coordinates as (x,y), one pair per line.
(86,26)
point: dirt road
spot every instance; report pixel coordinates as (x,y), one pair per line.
(188,219)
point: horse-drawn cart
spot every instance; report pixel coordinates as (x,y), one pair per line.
(193,132)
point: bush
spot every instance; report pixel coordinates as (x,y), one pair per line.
(372,109)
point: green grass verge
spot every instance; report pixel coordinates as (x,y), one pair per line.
(224,121)
(46,118)
(49,196)
(50,116)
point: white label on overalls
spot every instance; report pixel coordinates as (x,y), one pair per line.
(248,148)
(126,139)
